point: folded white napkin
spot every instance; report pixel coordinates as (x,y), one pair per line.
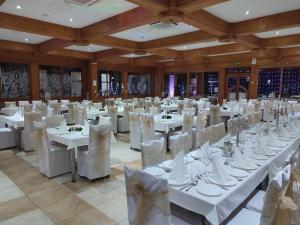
(273,141)
(177,172)
(241,160)
(203,149)
(17,116)
(219,173)
(261,147)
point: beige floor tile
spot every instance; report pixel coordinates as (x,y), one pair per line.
(90,217)
(37,183)
(8,190)
(65,208)
(50,195)
(115,208)
(35,217)
(2,174)
(15,207)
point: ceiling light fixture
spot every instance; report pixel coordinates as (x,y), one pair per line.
(26,39)
(19,7)
(71,20)
(184,47)
(247,12)
(277,33)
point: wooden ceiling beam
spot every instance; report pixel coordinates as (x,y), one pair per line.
(124,21)
(23,24)
(207,22)
(222,49)
(166,53)
(53,44)
(114,42)
(281,41)
(152,5)
(73,54)
(194,5)
(110,53)
(249,41)
(268,23)
(16,46)
(290,51)
(182,39)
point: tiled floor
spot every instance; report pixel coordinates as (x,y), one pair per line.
(27,197)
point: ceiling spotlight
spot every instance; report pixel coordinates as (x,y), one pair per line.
(19,7)
(71,20)
(184,47)
(277,33)
(247,12)
(26,39)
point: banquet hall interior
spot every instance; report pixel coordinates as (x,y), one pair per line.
(149,112)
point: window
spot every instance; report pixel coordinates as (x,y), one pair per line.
(139,84)
(269,81)
(50,81)
(72,82)
(14,80)
(195,86)
(211,83)
(110,83)
(291,82)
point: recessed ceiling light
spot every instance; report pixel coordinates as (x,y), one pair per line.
(26,39)
(71,19)
(247,12)
(277,33)
(184,47)
(19,7)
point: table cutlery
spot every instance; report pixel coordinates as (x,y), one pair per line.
(194,183)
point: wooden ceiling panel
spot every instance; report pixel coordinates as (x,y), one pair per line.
(110,53)
(281,41)
(53,44)
(115,43)
(16,46)
(194,5)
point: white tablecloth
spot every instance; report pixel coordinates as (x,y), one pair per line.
(93,114)
(165,125)
(172,107)
(9,111)
(217,209)
(14,122)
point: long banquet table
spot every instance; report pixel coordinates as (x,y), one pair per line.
(217,209)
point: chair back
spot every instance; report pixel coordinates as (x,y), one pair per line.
(215,115)
(148,104)
(135,130)
(29,118)
(180,107)
(218,132)
(10,104)
(22,103)
(177,143)
(42,108)
(187,126)
(28,108)
(152,153)
(56,108)
(112,113)
(147,198)
(54,121)
(147,122)
(153,110)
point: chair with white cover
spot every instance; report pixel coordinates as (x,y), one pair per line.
(215,115)
(54,121)
(94,162)
(277,207)
(28,108)
(97,105)
(135,130)
(43,108)
(139,110)
(53,102)
(148,131)
(148,201)
(218,132)
(22,103)
(29,118)
(190,110)
(187,126)
(7,138)
(154,110)
(10,104)
(148,104)
(56,108)
(200,124)
(180,107)
(177,143)
(36,102)
(256,117)
(65,102)
(203,136)
(268,111)
(123,122)
(70,117)
(54,159)
(152,153)
(157,104)
(80,115)
(112,113)
(141,103)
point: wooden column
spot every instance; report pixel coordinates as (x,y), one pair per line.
(253,82)
(221,85)
(34,80)
(92,84)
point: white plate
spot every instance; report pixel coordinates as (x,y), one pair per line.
(236,172)
(230,183)
(266,154)
(252,166)
(275,145)
(258,157)
(209,190)
(186,180)
(155,171)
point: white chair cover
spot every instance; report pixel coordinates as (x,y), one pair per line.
(54,159)
(177,143)
(112,113)
(148,132)
(97,105)
(215,115)
(139,110)
(218,132)
(42,108)
(201,124)
(190,110)
(7,138)
(152,153)
(10,104)
(148,104)
(56,108)
(22,103)
(29,118)
(70,115)
(123,123)
(28,107)
(157,104)
(154,110)
(135,130)
(147,198)
(180,107)
(95,162)
(187,126)
(54,121)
